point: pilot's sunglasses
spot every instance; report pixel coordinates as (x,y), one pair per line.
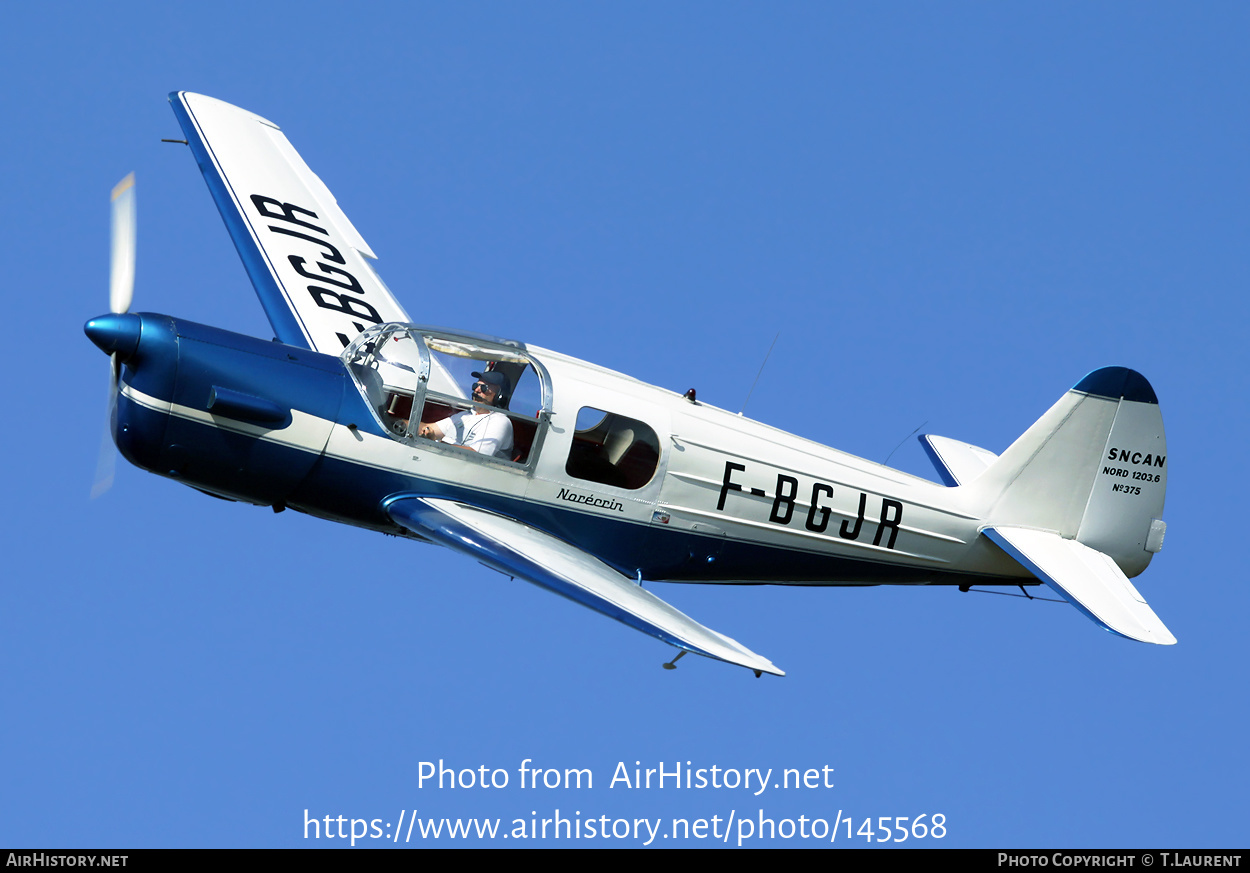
(483,387)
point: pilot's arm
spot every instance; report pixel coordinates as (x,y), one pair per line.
(430,431)
(447,430)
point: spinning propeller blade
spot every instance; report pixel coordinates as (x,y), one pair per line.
(106,466)
(121,293)
(122,255)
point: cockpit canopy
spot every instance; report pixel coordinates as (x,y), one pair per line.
(402,368)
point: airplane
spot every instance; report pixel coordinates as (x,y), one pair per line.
(589,483)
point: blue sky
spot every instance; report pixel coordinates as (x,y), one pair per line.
(949,212)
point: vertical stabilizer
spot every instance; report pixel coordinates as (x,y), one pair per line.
(1093,469)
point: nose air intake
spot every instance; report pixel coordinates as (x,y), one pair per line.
(115,334)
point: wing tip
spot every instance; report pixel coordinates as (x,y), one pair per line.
(185,98)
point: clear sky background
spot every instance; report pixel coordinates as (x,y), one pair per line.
(950,212)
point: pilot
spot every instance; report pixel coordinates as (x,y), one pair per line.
(478,429)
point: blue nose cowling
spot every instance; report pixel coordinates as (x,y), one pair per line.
(115,334)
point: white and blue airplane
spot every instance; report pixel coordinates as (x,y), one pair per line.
(574,477)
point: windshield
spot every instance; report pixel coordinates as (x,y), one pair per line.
(389,366)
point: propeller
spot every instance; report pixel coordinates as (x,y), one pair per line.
(122,255)
(121,293)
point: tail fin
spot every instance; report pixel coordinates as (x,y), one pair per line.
(1093,469)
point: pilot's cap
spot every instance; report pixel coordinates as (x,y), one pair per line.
(493,378)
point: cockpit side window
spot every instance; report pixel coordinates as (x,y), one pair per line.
(612,449)
(486,399)
(464,392)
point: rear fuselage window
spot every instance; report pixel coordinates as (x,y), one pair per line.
(612,450)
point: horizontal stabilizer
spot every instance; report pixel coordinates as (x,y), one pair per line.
(958,463)
(1086,578)
(516,549)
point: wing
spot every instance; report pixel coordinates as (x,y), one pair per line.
(1087,579)
(309,265)
(517,549)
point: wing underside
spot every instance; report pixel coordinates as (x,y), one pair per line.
(308,263)
(517,549)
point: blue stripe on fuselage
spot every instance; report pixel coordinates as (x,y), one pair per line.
(224,460)
(344,491)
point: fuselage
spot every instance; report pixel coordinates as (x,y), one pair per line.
(656,485)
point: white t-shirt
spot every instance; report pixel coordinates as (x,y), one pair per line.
(489,433)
